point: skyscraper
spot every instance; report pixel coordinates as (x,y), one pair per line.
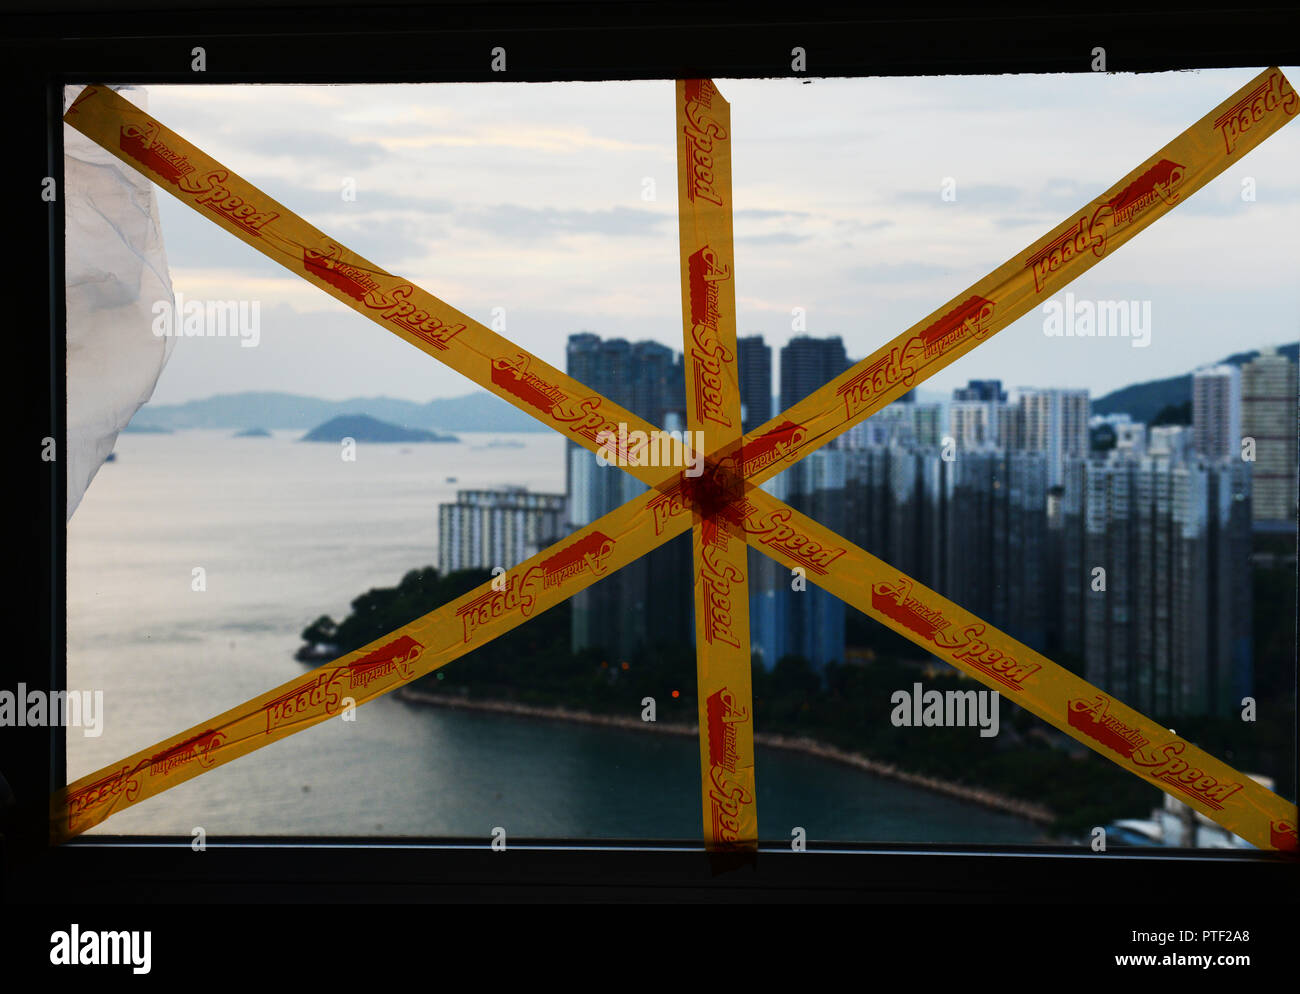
(927,424)
(816,618)
(767,607)
(807,364)
(902,424)
(1030,614)
(1131,438)
(801,619)
(807,622)
(633,608)
(1216,413)
(975,424)
(755,359)
(1054,422)
(1268,415)
(989,391)
(1170,441)
(973,528)
(1133,570)
(1156,588)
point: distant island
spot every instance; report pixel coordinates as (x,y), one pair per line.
(477,411)
(364,428)
(253,433)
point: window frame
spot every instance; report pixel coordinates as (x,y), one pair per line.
(546,41)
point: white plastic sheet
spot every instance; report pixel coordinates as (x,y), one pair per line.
(115,271)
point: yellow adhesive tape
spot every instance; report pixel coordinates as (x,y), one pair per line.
(722,644)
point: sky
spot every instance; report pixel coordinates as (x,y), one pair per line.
(532,198)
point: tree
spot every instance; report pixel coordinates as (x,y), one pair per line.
(1101,438)
(1173,414)
(794,677)
(321,632)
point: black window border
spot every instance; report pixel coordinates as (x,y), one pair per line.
(70,41)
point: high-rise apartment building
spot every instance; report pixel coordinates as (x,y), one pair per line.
(488,528)
(1134,570)
(1131,439)
(633,608)
(900,424)
(977,425)
(974,529)
(1156,588)
(1216,413)
(1053,422)
(808,364)
(807,622)
(1169,442)
(926,424)
(988,391)
(755,363)
(1268,415)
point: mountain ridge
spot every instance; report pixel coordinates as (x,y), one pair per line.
(482,411)
(1143,401)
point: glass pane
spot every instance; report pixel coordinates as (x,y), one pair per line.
(203,557)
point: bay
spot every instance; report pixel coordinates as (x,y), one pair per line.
(285,531)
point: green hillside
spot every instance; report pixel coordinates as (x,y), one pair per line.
(1142,401)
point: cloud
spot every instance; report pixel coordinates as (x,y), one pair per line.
(765,214)
(318,146)
(896,272)
(518,136)
(773,238)
(852,226)
(518,221)
(194,242)
(330,201)
(388,239)
(1229,203)
(1028,221)
(977,194)
(840,182)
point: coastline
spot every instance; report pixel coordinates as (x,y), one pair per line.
(974,795)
